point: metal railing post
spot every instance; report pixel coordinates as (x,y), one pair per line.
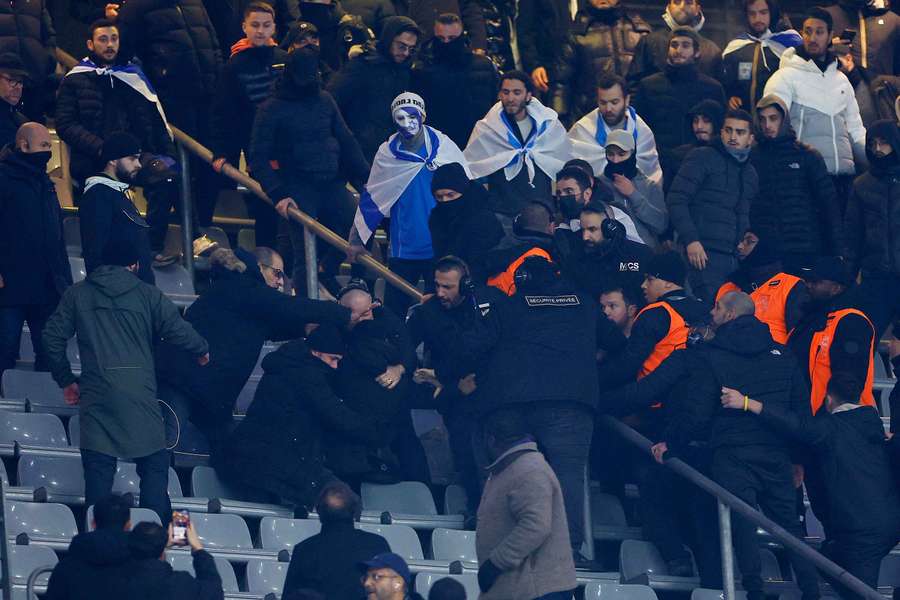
(4,549)
(187,209)
(312,264)
(727,550)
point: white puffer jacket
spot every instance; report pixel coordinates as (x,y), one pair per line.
(824,112)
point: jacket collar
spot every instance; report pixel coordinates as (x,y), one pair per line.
(103,179)
(511,454)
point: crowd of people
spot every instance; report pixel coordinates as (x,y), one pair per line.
(700,242)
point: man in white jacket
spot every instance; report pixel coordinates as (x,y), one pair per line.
(821,100)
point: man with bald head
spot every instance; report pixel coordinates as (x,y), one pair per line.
(749,459)
(34,270)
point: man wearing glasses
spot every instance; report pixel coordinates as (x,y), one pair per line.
(12,83)
(387,577)
(271,265)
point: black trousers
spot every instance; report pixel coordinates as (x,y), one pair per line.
(861,556)
(762,476)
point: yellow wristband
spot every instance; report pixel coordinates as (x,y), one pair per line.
(746,402)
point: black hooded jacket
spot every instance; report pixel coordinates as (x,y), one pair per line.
(797,205)
(872,222)
(465,227)
(670,159)
(367,84)
(94,567)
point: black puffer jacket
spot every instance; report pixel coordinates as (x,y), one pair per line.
(663,100)
(439,81)
(96,566)
(710,198)
(601,42)
(873,213)
(365,87)
(89,107)
(797,205)
(304,134)
(176,43)
(26,30)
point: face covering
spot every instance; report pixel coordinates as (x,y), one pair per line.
(569,206)
(449,51)
(883,163)
(627,167)
(408,122)
(739,155)
(38,160)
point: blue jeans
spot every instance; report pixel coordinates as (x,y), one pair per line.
(11,320)
(100,471)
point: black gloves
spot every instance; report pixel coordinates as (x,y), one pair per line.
(487,575)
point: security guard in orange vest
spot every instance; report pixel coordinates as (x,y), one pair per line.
(779,297)
(833,337)
(532,236)
(661,327)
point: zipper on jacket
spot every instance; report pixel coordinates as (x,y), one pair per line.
(837,160)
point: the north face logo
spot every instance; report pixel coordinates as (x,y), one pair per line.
(794,166)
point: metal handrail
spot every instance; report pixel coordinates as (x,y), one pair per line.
(309,223)
(4,546)
(734,503)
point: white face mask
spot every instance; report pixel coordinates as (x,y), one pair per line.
(408,121)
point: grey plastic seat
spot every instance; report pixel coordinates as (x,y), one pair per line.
(608,519)
(39,389)
(401,539)
(266,576)
(469,581)
(182,561)
(23,560)
(30,429)
(456,501)
(771,570)
(227,498)
(453,544)
(217,234)
(890,571)
(138,515)
(706,594)
(75,431)
(72,235)
(45,524)
(76,266)
(277,533)
(205,483)
(222,531)
(174,279)
(127,481)
(61,476)
(246,239)
(615,591)
(406,497)
(639,559)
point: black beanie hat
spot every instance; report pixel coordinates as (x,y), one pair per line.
(668,266)
(766,252)
(120,253)
(451,176)
(326,338)
(119,145)
(301,67)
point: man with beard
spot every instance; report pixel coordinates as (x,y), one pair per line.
(797,206)
(107,213)
(519,146)
(873,223)
(447,66)
(461,224)
(709,204)
(369,82)
(750,59)
(651,53)
(621,304)
(705,120)
(601,43)
(614,112)
(303,154)
(664,99)
(102,95)
(12,81)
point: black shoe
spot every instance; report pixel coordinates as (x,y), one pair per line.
(681,567)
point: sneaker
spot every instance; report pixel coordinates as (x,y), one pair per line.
(164,260)
(204,244)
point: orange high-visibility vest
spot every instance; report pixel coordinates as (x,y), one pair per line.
(820,360)
(675,338)
(770,300)
(506,281)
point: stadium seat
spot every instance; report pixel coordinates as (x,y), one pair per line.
(72,236)
(469,581)
(705,594)
(615,591)
(192,447)
(23,560)
(608,518)
(228,499)
(174,280)
(402,539)
(641,561)
(771,570)
(181,561)
(38,389)
(216,234)
(30,429)
(76,265)
(246,239)
(453,544)
(890,571)
(266,576)
(456,501)
(127,481)
(406,497)
(222,531)
(61,477)
(75,431)
(138,515)
(50,525)
(278,533)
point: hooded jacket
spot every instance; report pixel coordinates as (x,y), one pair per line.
(797,205)
(367,84)
(465,227)
(873,212)
(117,319)
(823,108)
(94,567)
(670,159)
(33,260)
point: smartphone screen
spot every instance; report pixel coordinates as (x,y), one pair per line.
(181,519)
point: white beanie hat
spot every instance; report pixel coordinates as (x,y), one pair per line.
(408,99)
